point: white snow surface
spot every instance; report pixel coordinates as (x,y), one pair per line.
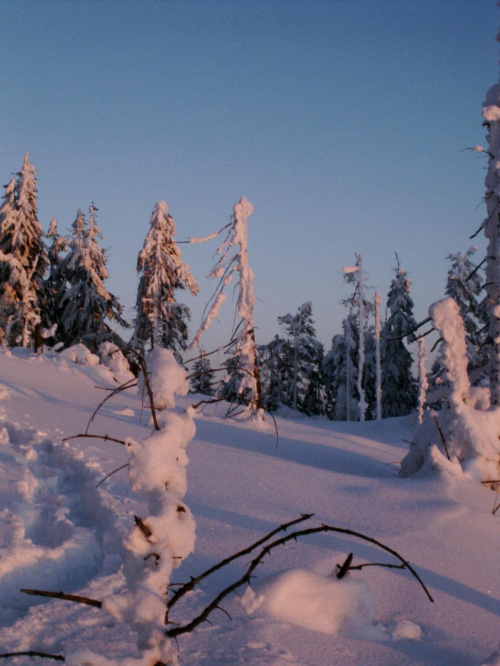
(59,532)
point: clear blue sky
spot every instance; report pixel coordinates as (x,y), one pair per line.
(342,122)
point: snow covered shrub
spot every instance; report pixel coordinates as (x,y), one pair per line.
(464,432)
(158,543)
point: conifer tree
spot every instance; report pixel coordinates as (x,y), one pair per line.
(399,387)
(160,320)
(84,303)
(55,282)
(301,357)
(464,284)
(23,259)
(242,381)
(269,360)
(340,372)
(203,375)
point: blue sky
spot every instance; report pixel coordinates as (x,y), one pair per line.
(342,121)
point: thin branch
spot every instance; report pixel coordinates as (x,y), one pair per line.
(176,631)
(106,438)
(471,275)
(67,597)
(436,344)
(131,383)
(187,587)
(441,434)
(111,474)
(33,653)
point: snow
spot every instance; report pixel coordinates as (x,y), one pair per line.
(59,532)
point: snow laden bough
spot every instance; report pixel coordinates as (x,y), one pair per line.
(464,437)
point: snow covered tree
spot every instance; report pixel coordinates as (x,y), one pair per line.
(399,387)
(340,371)
(354,275)
(84,303)
(301,356)
(464,285)
(160,320)
(202,375)
(270,372)
(54,283)
(23,259)
(242,381)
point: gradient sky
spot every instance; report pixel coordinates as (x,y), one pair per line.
(344,123)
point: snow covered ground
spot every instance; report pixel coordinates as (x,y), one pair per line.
(59,532)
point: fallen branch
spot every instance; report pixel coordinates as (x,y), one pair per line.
(187,587)
(32,653)
(67,597)
(202,617)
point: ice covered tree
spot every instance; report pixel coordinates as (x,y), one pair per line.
(160,319)
(202,376)
(242,381)
(85,306)
(399,387)
(23,259)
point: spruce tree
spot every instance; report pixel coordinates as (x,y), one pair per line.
(84,304)
(399,387)
(23,259)
(55,282)
(301,357)
(202,375)
(464,284)
(160,320)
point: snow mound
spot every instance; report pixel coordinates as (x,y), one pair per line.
(80,355)
(327,605)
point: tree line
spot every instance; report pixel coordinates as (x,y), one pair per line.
(53,286)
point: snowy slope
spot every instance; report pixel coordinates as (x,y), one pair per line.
(58,532)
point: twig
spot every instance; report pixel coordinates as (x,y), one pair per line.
(106,438)
(33,653)
(176,631)
(187,587)
(441,434)
(131,383)
(68,597)
(342,570)
(111,474)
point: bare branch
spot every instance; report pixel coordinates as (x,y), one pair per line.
(67,597)
(106,438)
(111,474)
(33,653)
(187,587)
(176,631)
